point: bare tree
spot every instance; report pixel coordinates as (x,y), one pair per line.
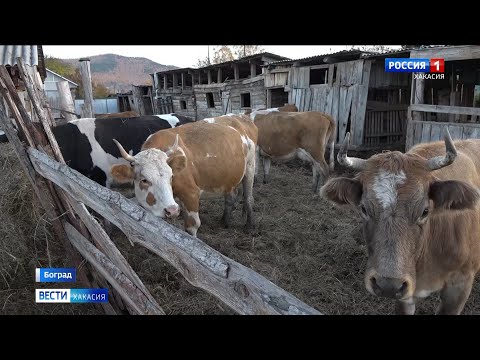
(246,50)
(222,54)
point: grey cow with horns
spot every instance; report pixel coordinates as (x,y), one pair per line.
(421,220)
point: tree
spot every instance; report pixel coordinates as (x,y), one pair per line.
(226,53)
(203,62)
(59,66)
(374,48)
(246,50)
(222,54)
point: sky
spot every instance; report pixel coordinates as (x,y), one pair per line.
(181,55)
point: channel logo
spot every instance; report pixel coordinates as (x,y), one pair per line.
(55,274)
(415,65)
(71,295)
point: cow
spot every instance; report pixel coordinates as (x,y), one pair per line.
(421,220)
(286,135)
(124,114)
(285,108)
(86,144)
(213,155)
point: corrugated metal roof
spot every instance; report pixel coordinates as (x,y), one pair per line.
(315,57)
(10,53)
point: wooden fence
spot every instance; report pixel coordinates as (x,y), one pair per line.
(385,127)
(425,131)
(65,194)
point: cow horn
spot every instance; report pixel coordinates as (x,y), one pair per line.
(351,162)
(124,154)
(173,148)
(439,162)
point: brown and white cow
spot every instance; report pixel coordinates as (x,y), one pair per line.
(286,135)
(421,220)
(213,155)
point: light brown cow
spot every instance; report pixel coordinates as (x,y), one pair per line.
(124,114)
(212,155)
(284,108)
(421,220)
(286,135)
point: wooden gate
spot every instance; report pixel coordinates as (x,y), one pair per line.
(164,106)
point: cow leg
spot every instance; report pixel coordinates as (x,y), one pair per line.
(227,212)
(247,183)
(191,204)
(257,163)
(266,169)
(405,307)
(455,294)
(321,168)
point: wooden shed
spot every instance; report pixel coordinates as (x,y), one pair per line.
(350,85)
(230,87)
(451,100)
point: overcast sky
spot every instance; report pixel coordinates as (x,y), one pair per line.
(180,55)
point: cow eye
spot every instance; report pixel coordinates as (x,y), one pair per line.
(144,181)
(425,212)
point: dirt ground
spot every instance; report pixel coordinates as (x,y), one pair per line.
(304,245)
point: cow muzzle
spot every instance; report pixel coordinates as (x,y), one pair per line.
(172,211)
(394,288)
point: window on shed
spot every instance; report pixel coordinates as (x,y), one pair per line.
(318,76)
(183,104)
(210,102)
(245,100)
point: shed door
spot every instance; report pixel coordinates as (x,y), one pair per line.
(226,103)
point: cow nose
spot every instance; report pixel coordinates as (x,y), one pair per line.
(172,211)
(389,287)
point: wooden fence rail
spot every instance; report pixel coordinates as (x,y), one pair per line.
(242,289)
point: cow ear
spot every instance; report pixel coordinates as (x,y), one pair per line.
(177,162)
(342,191)
(122,173)
(453,195)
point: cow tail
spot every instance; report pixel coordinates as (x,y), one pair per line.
(331,134)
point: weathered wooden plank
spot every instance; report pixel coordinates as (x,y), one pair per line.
(328,101)
(459,110)
(335,103)
(28,81)
(236,285)
(353,111)
(18,111)
(344,111)
(106,245)
(466,52)
(308,100)
(359,119)
(129,292)
(87,87)
(66,100)
(331,71)
(467,132)
(455,132)
(435,133)
(426,132)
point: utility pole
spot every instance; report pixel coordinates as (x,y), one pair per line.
(244,50)
(208,52)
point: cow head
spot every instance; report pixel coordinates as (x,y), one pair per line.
(397,194)
(152,171)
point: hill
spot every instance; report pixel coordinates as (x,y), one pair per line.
(118,72)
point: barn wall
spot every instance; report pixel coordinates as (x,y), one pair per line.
(343,96)
(226,97)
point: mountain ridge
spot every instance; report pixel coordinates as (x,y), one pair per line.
(118,72)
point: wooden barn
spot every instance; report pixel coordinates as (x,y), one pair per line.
(451,100)
(352,86)
(214,90)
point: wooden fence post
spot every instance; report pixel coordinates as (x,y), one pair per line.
(87,87)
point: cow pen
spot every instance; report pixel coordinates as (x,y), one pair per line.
(65,195)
